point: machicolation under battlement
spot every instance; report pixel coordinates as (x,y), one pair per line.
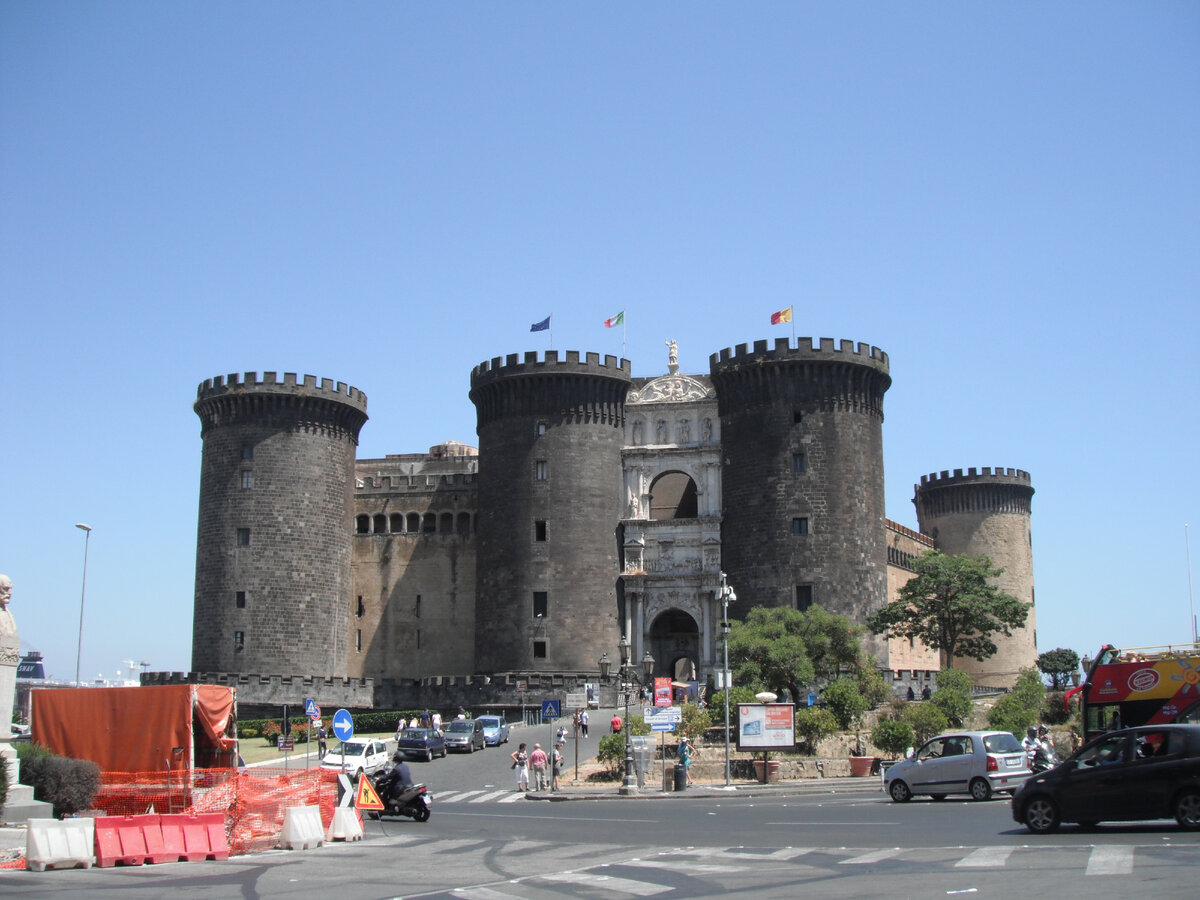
(847,351)
(998,474)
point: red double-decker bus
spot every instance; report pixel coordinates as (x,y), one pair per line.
(1142,686)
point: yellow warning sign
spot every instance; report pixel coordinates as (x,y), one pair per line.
(366,797)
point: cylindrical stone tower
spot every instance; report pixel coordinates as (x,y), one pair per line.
(986,513)
(802,471)
(550,437)
(276,513)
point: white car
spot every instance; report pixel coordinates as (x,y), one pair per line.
(978,763)
(361,755)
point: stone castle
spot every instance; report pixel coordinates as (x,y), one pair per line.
(597,505)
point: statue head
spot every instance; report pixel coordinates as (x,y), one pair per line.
(5,591)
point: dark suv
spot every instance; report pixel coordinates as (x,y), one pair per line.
(1152,772)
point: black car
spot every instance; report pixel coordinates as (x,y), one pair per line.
(1152,772)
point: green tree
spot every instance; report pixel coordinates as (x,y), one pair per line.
(696,721)
(892,737)
(814,724)
(1018,709)
(953,695)
(736,695)
(1058,664)
(871,684)
(768,650)
(926,720)
(831,641)
(843,699)
(952,607)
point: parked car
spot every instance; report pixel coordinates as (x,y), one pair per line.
(421,742)
(367,755)
(495,730)
(978,763)
(464,734)
(1152,772)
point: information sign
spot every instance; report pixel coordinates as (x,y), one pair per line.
(311,709)
(662,726)
(654,715)
(551,709)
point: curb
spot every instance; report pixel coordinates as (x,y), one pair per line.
(712,791)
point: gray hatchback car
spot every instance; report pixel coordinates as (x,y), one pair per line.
(978,763)
(464,734)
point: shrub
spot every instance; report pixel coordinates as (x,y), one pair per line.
(68,784)
(1012,715)
(893,737)
(814,724)
(871,684)
(926,720)
(955,680)
(612,752)
(954,705)
(1054,709)
(843,699)
(696,721)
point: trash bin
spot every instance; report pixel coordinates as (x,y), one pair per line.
(680,777)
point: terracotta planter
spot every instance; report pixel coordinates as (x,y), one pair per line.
(766,771)
(860,766)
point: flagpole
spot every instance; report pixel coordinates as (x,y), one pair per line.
(622,334)
(551,331)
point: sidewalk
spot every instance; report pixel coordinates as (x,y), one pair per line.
(708,790)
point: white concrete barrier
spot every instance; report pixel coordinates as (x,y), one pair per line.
(54,844)
(301,828)
(346,825)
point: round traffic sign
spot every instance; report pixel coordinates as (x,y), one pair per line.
(343,725)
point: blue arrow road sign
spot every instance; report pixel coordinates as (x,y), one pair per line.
(343,725)
(662,726)
(550,709)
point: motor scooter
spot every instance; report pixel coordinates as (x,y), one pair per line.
(412,800)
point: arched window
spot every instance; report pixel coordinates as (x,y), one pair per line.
(397,523)
(673,496)
(429,525)
(414,523)
(446,523)
(381,524)
(464,523)
(362,524)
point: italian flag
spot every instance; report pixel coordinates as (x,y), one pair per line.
(618,319)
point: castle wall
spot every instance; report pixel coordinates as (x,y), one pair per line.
(413,603)
(550,436)
(909,659)
(826,404)
(275,502)
(986,512)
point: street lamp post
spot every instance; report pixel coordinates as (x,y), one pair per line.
(629,678)
(87,530)
(727,596)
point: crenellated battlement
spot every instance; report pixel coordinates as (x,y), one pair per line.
(805,351)
(223,385)
(999,475)
(515,364)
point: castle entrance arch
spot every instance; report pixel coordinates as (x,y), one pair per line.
(675,643)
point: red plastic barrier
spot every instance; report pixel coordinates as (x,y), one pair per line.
(120,840)
(203,835)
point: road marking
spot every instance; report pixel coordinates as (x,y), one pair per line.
(986,858)
(681,865)
(873,856)
(480,893)
(608,883)
(494,795)
(514,797)
(457,796)
(1110,861)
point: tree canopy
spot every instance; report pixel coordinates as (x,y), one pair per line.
(951,606)
(1058,664)
(782,648)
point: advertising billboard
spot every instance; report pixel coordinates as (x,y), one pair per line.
(766,726)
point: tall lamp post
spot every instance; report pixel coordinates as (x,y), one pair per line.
(727,596)
(87,530)
(629,679)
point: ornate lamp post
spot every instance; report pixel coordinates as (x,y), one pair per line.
(631,676)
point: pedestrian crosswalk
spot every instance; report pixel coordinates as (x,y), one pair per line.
(440,797)
(648,872)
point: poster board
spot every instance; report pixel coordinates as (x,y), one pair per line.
(766,726)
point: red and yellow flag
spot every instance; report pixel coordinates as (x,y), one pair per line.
(784,315)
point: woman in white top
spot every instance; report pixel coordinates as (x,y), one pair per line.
(521,766)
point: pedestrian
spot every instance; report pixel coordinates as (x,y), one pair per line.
(322,737)
(427,719)
(926,693)
(556,765)
(560,735)
(583,720)
(1076,738)
(912,695)
(538,761)
(616,723)
(685,757)
(521,766)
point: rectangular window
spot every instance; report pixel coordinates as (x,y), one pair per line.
(358,640)
(360,608)
(240,599)
(417,607)
(541,428)
(247,452)
(539,530)
(418,638)
(803,597)
(239,640)
(539,604)
(539,649)
(798,463)
(243,537)
(247,480)
(800,525)
(541,470)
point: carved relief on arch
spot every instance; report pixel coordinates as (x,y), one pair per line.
(659,602)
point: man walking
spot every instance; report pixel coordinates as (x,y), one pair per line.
(583,720)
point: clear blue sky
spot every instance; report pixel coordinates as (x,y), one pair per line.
(1004,197)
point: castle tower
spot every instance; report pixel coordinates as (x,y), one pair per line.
(986,513)
(550,437)
(276,515)
(802,472)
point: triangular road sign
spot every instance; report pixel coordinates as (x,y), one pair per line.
(367,798)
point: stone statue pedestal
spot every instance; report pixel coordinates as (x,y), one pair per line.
(20,804)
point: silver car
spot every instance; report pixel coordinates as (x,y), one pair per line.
(495,730)
(464,734)
(978,763)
